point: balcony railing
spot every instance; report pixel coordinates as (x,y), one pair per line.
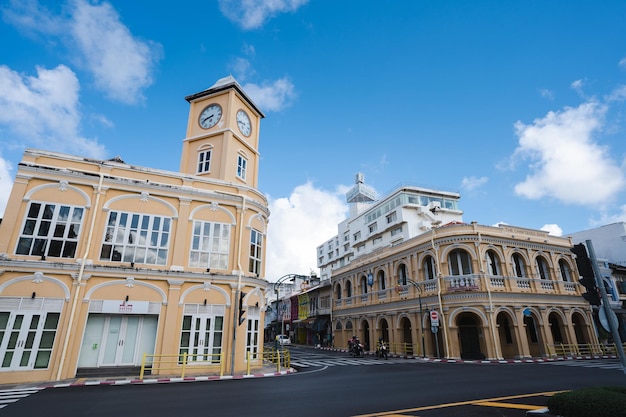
(463,283)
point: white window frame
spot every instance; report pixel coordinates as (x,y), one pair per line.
(210,245)
(242,166)
(204,161)
(21,345)
(256,251)
(54,230)
(253,332)
(205,339)
(136,238)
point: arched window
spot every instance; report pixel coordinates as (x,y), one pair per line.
(402,275)
(459,262)
(542,267)
(338,291)
(381,280)
(363,285)
(493,263)
(519,265)
(429,268)
(348,325)
(348,288)
(566,272)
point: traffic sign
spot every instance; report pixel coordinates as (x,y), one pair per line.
(434,318)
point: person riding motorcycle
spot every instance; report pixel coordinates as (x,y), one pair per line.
(355,347)
(381,349)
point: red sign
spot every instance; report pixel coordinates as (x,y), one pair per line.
(434,318)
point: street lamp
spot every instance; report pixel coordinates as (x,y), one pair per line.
(276,286)
(419,297)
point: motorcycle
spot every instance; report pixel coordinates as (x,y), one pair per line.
(381,351)
(356,348)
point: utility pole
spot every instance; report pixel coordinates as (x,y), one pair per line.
(606,306)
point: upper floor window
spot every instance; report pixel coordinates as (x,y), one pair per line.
(50,230)
(242,164)
(210,245)
(363,285)
(519,265)
(402,275)
(566,272)
(493,263)
(460,262)
(429,268)
(138,238)
(381,280)
(204,161)
(542,268)
(396,231)
(357,236)
(373,227)
(256,247)
(392,217)
(349,289)
(338,292)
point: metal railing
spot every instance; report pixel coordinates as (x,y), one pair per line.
(178,364)
(585,349)
(280,358)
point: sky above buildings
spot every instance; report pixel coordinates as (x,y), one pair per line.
(519,105)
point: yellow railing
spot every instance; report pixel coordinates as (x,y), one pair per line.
(585,349)
(178,364)
(409,349)
(280,358)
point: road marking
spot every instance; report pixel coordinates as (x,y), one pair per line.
(9,396)
(471,402)
(509,405)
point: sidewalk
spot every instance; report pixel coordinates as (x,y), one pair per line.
(264,372)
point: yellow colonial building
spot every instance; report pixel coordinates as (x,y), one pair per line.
(102,262)
(407,269)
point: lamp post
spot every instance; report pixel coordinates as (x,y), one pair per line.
(276,286)
(419,297)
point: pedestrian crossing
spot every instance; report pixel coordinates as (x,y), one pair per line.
(9,396)
(587,363)
(303,363)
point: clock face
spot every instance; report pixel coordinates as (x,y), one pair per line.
(210,116)
(243,121)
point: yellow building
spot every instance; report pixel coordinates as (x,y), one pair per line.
(408,269)
(103,261)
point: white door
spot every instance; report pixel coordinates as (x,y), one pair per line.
(120,338)
(26,339)
(201,337)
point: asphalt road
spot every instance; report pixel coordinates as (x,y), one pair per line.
(327,388)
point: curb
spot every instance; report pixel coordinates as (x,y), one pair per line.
(484,361)
(163,380)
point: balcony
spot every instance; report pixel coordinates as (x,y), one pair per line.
(472,283)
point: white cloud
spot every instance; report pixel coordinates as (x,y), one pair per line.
(252,14)
(471,183)
(43,110)
(121,64)
(552,229)
(298,224)
(6,183)
(545,93)
(565,163)
(622,63)
(273,96)
(97,41)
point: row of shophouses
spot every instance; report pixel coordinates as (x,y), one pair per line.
(497,292)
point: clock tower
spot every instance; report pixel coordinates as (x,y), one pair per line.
(222,136)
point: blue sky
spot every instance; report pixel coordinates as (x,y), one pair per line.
(518,105)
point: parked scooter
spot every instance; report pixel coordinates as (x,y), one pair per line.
(381,350)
